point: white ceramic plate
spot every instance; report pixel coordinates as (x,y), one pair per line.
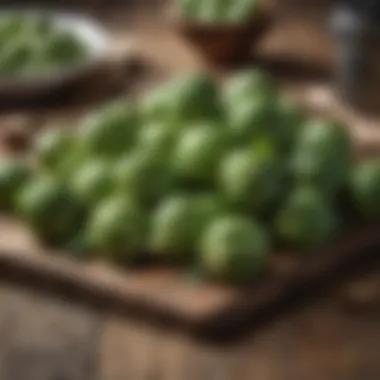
(87,30)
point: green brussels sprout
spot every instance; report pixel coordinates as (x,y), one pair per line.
(251,119)
(13,176)
(143,176)
(118,228)
(111,131)
(92,182)
(156,138)
(251,179)
(291,121)
(365,188)
(198,152)
(64,48)
(306,220)
(218,11)
(323,157)
(189,98)
(234,248)
(51,146)
(178,222)
(50,209)
(11,27)
(15,57)
(249,84)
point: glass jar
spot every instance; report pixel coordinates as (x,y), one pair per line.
(356,31)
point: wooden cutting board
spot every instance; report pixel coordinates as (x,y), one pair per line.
(166,296)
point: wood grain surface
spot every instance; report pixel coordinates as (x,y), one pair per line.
(44,339)
(334,338)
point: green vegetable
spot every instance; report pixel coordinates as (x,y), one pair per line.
(43,25)
(234,248)
(291,120)
(192,97)
(251,179)
(33,45)
(157,139)
(196,97)
(219,11)
(177,224)
(306,220)
(14,58)
(196,176)
(92,182)
(110,132)
(156,105)
(118,228)
(248,85)
(50,209)
(13,175)
(10,27)
(62,48)
(188,8)
(212,11)
(51,147)
(365,188)
(243,10)
(251,119)
(198,152)
(75,156)
(322,157)
(143,176)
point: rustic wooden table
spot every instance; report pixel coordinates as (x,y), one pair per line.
(44,338)
(336,337)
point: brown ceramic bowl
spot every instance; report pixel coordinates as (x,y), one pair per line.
(224,44)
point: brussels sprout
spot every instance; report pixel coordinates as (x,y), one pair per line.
(118,228)
(365,188)
(218,11)
(143,176)
(13,175)
(234,248)
(253,118)
(51,146)
(323,157)
(157,139)
(178,222)
(291,121)
(111,131)
(63,48)
(306,220)
(249,84)
(192,97)
(50,209)
(198,152)
(92,182)
(15,57)
(251,180)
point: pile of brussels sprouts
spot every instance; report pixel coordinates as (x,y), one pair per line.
(196,174)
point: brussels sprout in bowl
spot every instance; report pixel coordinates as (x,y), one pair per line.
(223,31)
(42,51)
